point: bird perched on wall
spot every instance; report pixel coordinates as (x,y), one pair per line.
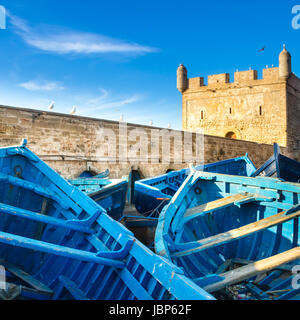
(73,111)
(51,106)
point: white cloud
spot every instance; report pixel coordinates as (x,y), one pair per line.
(82,43)
(70,42)
(114,104)
(18,23)
(100,99)
(38,86)
(106,102)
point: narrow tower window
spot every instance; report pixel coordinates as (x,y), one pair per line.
(260,110)
(230,111)
(202,115)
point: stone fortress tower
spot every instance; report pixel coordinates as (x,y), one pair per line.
(263,110)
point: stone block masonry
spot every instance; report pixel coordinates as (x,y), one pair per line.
(72,144)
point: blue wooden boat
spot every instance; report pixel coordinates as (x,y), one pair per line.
(57,243)
(152,194)
(236,237)
(108,193)
(279,166)
(91,174)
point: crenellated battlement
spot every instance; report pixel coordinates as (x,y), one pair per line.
(240,77)
(271,74)
(245,76)
(195,82)
(218,79)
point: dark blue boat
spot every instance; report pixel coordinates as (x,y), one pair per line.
(236,237)
(90,174)
(108,193)
(134,176)
(57,243)
(280,166)
(152,194)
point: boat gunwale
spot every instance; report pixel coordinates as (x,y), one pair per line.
(186,171)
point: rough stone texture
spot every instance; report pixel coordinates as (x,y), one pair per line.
(218,78)
(196,82)
(71,144)
(264,111)
(293,116)
(245,76)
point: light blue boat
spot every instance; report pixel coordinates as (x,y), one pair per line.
(108,193)
(236,237)
(57,243)
(152,194)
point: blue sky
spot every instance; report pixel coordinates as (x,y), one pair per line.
(113,58)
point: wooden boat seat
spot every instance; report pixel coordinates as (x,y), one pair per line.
(236,199)
(242,262)
(246,272)
(235,234)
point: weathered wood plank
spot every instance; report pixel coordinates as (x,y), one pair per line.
(222,203)
(238,275)
(238,233)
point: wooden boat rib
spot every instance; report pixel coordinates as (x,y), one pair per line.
(152,194)
(57,243)
(224,236)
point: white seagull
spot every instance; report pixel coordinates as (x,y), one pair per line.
(73,111)
(51,106)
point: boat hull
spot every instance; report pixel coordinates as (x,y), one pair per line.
(58,244)
(89,174)
(234,234)
(280,166)
(152,194)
